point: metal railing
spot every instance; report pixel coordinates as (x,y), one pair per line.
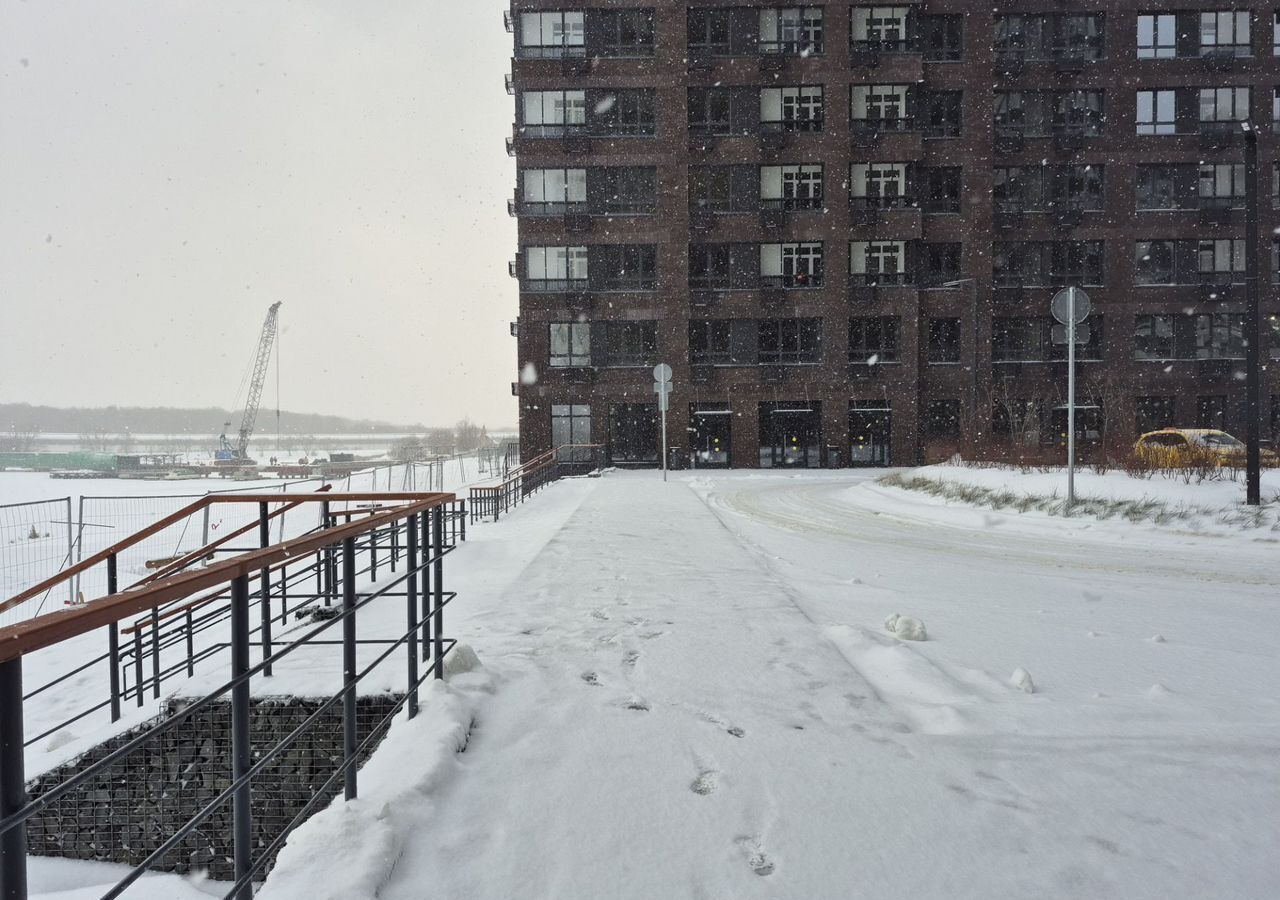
(491,501)
(177,609)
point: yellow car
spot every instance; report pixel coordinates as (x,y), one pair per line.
(1180,447)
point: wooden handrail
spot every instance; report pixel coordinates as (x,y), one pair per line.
(55,627)
(186,511)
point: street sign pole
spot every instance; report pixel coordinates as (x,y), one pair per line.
(1071,400)
(662,387)
(1070,306)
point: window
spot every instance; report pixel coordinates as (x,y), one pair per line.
(944,341)
(1157,36)
(628,267)
(624,112)
(1153,337)
(941,189)
(633,432)
(551,34)
(879,106)
(1221,186)
(1075,262)
(941,37)
(1221,261)
(1047,263)
(939,262)
(881,27)
(873,340)
(1019,339)
(1224,105)
(555,268)
(881,184)
(793,30)
(631,343)
(710,342)
(1154,413)
(1076,111)
(791,108)
(1155,262)
(710,111)
(1219,335)
(1224,33)
(1165,186)
(1047,188)
(791,187)
(938,113)
(878,262)
(629,190)
(710,266)
(942,418)
(1275,50)
(723,189)
(553,113)
(1156,112)
(1074,35)
(550,192)
(626,32)
(570,426)
(791,265)
(789,341)
(570,344)
(1211,412)
(709,32)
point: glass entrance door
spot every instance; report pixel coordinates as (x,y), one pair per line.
(869,431)
(790,435)
(709,438)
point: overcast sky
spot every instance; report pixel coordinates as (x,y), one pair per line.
(171,168)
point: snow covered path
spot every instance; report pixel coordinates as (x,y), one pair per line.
(695,697)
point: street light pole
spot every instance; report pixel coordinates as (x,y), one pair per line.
(1252,320)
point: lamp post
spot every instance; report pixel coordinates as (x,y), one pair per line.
(1252,319)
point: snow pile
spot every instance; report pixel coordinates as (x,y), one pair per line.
(1021,679)
(351,848)
(908,628)
(461,659)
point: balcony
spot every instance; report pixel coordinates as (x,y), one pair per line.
(1217,366)
(1069,140)
(511,88)
(1008,140)
(1068,218)
(1218,135)
(1215,216)
(1008,63)
(515,389)
(1215,292)
(515,328)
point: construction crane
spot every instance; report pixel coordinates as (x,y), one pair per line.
(234,453)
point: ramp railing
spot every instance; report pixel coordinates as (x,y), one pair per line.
(490,501)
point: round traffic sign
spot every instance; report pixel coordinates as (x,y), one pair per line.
(662,372)
(1061,305)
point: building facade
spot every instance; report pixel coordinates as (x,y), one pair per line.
(841,224)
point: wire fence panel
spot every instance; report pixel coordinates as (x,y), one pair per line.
(35,544)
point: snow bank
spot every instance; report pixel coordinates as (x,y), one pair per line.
(1021,679)
(350,849)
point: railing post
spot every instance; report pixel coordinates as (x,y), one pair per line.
(373,554)
(191,645)
(462,518)
(242,810)
(326,558)
(349,666)
(424,597)
(155,652)
(137,663)
(113,643)
(264,540)
(411,608)
(13,782)
(394,531)
(437,627)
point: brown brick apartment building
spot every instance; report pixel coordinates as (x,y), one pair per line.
(841,224)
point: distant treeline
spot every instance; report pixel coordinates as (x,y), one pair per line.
(23,418)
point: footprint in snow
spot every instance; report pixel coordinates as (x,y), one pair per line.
(591,678)
(637,704)
(757,859)
(705,783)
(631,658)
(600,614)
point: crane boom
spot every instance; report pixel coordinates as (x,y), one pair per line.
(239,451)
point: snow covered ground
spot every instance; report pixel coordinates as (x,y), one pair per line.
(688,691)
